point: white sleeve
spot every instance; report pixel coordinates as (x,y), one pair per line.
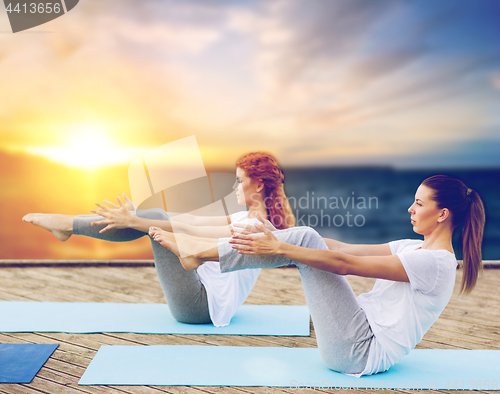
(422,269)
(396,245)
(236,217)
(404,245)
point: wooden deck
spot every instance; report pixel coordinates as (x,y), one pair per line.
(471,322)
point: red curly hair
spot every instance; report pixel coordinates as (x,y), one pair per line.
(263,167)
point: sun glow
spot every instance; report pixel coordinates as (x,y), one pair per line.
(87,147)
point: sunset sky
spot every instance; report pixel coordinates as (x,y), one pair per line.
(316,82)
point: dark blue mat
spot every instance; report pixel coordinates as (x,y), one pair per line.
(20,362)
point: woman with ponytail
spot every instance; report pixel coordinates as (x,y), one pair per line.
(262,168)
(467,211)
(205,296)
(368,334)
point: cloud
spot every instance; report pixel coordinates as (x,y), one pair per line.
(323,55)
(495,79)
(336,71)
(288,73)
(325,32)
(112,61)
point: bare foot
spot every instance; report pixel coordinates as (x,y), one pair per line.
(59,225)
(189,250)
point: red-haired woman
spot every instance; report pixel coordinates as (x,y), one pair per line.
(193,297)
(415,278)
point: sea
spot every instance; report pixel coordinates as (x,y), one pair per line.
(370,204)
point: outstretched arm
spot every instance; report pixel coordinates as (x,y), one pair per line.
(383,267)
(355,250)
(358,250)
(118,216)
(194,220)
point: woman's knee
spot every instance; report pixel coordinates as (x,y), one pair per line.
(153,213)
(310,238)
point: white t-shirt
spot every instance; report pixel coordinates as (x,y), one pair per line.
(400,313)
(227,291)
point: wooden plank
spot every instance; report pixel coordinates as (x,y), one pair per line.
(84,287)
(128,281)
(7,388)
(13,263)
(25,283)
(472,330)
(66,363)
(19,263)
(76,348)
(6,296)
(467,323)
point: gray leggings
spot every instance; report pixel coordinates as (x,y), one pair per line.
(342,331)
(186,296)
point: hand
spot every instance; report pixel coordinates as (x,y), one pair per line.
(129,203)
(118,216)
(251,229)
(266,244)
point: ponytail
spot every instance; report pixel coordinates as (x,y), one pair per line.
(472,236)
(263,167)
(466,209)
(279,211)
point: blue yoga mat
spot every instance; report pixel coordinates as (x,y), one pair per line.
(88,317)
(20,362)
(285,367)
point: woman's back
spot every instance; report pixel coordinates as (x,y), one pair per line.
(400,313)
